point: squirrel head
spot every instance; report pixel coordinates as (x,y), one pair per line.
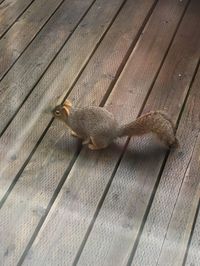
(62,111)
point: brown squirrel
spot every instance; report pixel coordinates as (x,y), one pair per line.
(98,128)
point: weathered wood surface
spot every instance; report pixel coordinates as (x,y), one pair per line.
(54,83)
(112,200)
(23,31)
(10,10)
(123,209)
(24,75)
(87,43)
(179,185)
(155,220)
(193,256)
(91,172)
(95,81)
(180,225)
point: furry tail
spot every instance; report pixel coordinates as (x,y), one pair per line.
(156,122)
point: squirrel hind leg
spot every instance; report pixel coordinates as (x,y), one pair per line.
(97,144)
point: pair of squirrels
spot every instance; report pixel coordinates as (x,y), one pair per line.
(97,127)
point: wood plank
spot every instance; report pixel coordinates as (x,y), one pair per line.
(85,43)
(178,169)
(94,80)
(76,204)
(177,235)
(119,220)
(23,31)
(54,84)
(10,10)
(20,80)
(193,256)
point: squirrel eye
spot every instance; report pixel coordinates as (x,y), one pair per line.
(57,112)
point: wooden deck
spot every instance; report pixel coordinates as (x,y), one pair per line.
(135,203)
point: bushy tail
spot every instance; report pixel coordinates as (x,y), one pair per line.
(156,122)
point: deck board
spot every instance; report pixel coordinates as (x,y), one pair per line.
(80,181)
(37,100)
(180,226)
(128,198)
(174,186)
(193,256)
(24,75)
(61,204)
(97,30)
(10,11)
(23,32)
(97,81)
(52,86)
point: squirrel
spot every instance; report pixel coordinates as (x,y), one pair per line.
(97,127)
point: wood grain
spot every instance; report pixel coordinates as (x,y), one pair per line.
(23,76)
(23,31)
(52,86)
(117,225)
(180,165)
(10,10)
(77,201)
(83,40)
(193,256)
(95,80)
(180,225)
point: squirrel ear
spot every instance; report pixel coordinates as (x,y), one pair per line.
(66,109)
(66,106)
(67,103)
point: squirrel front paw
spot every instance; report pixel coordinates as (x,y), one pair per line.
(97,144)
(93,147)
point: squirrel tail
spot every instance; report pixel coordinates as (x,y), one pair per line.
(156,122)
